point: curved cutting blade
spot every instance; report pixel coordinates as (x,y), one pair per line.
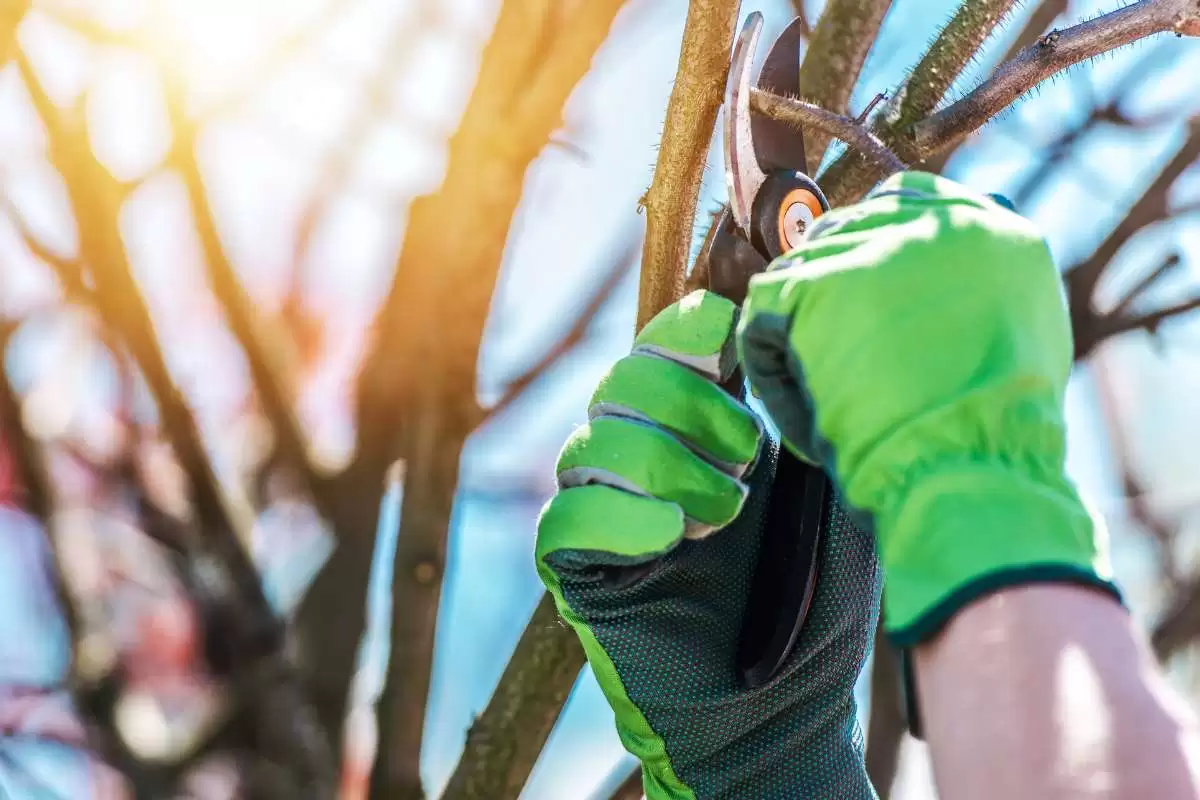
(777,144)
(743,175)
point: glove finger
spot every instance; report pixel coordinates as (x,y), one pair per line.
(705,417)
(697,332)
(597,525)
(647,460)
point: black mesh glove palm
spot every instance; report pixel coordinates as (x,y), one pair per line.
(649,549)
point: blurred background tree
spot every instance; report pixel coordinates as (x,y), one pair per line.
(328,284)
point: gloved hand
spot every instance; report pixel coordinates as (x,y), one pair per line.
(917,345)
(649,549)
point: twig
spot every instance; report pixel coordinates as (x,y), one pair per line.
(258,341)
(1051,54)
(806,115)
(670,202)
(852,174)
(626,259)
(1092,325)
(1169,263)
(836,53)
(1039,19)
(1151,320)
(69,271)
(506,739)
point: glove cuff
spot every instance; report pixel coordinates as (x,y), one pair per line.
(967,530)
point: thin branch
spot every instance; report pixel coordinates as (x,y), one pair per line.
(1048,56)
(670,202)
(1166,266)
(1091,325)
(626,259)
(836,53)
(259,342)
(506,739)
(1150,321)
(852,174)
(805,115)
(69,271)
(1036,24)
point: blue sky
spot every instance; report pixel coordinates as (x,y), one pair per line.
(260,161)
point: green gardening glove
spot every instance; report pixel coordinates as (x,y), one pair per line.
(917,345)
(649,549)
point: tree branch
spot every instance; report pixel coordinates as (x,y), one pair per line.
(1048,56)
(1036,24)
(417,393)
(670,202)
(273,715)
(506,739)
(260,343)
(1091,325)
(852,174)
(1150,321)
(626,259)
(1168,264)
(807,116)
(836,53)
(69,271)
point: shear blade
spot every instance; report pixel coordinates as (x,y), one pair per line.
(777,145)
(743,176)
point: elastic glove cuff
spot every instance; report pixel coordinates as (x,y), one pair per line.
(967,530)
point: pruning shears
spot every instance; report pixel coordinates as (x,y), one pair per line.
(772,202)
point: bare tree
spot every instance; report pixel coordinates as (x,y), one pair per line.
(416,400)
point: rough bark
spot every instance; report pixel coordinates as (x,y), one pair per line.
(670,202)
(506,739)
(914,132)
(836,53)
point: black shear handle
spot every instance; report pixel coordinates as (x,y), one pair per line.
(789,556)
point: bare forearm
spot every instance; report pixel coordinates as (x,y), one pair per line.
(1048,691)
